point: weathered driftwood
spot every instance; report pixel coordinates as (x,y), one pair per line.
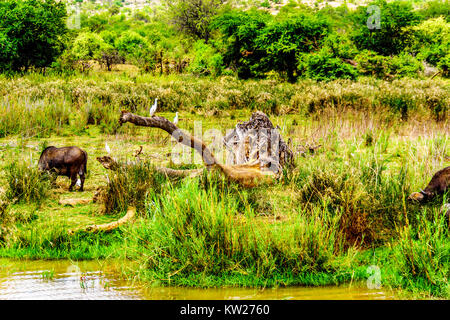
(247,174)
(172,129)
(131,213)
(258,140)
(111,164)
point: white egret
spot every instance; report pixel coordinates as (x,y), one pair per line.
(175,120)
(108,149)
(78,184)
(153,108)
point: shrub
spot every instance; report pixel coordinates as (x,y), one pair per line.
(435,8)
(405,65)
(26,183)
(207,61)
(402,65)
(432,41)
(88,46)
(423,254)
(370,63)
(131,186)
(134,47)
(191,231)
(394,33)
(323,66)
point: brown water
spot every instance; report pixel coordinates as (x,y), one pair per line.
(61,280)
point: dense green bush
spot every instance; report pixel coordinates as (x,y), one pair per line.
(298,41)
(402,65)
(323,66)
(405,65)
(432,42)
(373,64)
(394,33)
(88,46)
(31,33)
(207,61)
(423,254)
(26,183)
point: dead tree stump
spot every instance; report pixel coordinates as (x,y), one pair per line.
(258,140)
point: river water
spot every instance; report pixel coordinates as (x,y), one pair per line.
(99,280)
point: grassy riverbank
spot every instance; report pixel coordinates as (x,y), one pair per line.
(342,209)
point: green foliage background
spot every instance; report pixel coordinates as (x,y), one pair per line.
(248,40)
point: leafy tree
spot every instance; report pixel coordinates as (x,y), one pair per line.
(131,44)
(31,33)
(110,57)
(256,43)
(394,33)
(89,46)
(135,48)
(94,23)
(8,52)
(282,40)
(207,60)
(432,40)
(193,17)
(239,31)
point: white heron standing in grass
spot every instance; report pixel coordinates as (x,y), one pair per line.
(175,120)
(78,184)
(153,108)
(108,149)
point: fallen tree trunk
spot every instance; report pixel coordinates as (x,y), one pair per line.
(173,130)
(131,213)
(247,174)
(111,164)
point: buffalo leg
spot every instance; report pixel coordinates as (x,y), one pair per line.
(73,178)
(82,177)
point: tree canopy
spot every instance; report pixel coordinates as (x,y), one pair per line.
(31,33)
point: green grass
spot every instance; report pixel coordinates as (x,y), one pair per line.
(341,209)
(36,105)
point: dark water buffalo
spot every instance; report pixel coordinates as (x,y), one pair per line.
(439,184)
(66,161)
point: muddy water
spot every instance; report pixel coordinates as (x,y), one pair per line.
(63,280)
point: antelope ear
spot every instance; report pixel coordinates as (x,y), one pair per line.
(417,196)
